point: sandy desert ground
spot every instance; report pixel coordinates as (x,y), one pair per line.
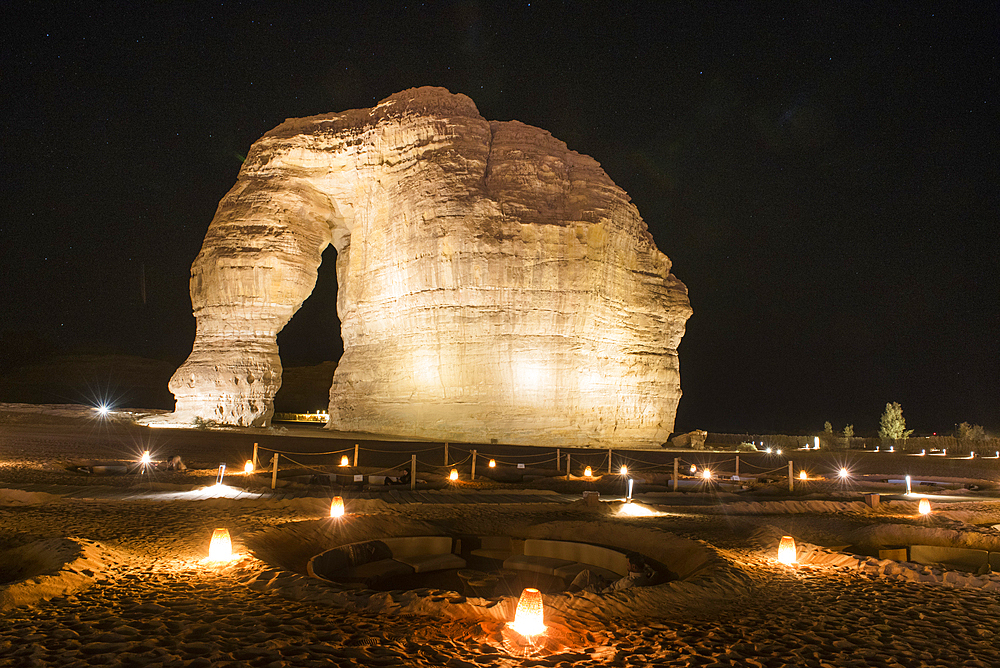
(117,577)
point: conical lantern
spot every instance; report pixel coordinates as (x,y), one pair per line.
(529,618)
(786,551)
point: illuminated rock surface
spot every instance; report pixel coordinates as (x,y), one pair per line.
(492,284)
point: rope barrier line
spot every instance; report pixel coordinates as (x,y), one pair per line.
(282,452)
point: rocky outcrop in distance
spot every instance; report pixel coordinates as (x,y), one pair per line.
(493,285)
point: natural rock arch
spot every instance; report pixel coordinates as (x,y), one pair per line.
(492,284)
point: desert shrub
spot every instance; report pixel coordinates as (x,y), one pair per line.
(746,446)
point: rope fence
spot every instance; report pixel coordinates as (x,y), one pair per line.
(568,462)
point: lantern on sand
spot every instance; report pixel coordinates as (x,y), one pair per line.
(248,467)
(589,472)
(221,547)
(337,507)
(453,476)
(623,470)
(802,475)
(924,507)
(493,463)
(344,461)
(786,551)
(528,617)
(694,469)
(706,474)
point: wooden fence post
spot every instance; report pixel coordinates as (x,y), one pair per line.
(677,465)
(355,454)
(445,454)
(609,460)
(473,465)
(254,460)
(791,478)
(274,470)
(413,472)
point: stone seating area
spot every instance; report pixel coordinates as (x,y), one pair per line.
(565,559)
(368,562)
(961,557)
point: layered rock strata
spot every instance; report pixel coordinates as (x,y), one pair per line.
(492,284)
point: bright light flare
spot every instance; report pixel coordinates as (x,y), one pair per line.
(344,461)
(103,410)
(588,472)
(337,507)
(768,450)
(453,476)
(248,467)
(706,474)
(493,463)
(802,475)
(924,507)
(146,458)
(221,547)
(636,510)
(786,551)
(529,618)
(844,474)
(623,470)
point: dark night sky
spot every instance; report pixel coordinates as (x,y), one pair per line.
(823,175)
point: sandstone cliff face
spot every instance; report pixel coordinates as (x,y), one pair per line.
(492,284)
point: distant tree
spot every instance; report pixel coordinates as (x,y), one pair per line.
(892,426)
(848,435)
(827,429)
(971,432)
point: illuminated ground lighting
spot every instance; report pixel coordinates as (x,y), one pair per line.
(706,474)
(493,463)
(529,618)
(623,470)
(248,467)
(768,450)
(344,461)
(453,476)
(588,472)
(924,507)
(779,452)
(844,474)
(337,507)
(221,547)
(786,551)
(636,510)
(802,475)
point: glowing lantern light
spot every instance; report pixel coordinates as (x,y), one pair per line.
(706,474)
(103,410)
(453,476)
(779,452)
(844,474)
(768,451)
(786,551)
(802,475)
(145,459)
(248,467)
(924,507)
(221,547)
(344,461)
(529,618)
(493,463)
(337,507)
(694,469)
(623,470)
(588,472)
